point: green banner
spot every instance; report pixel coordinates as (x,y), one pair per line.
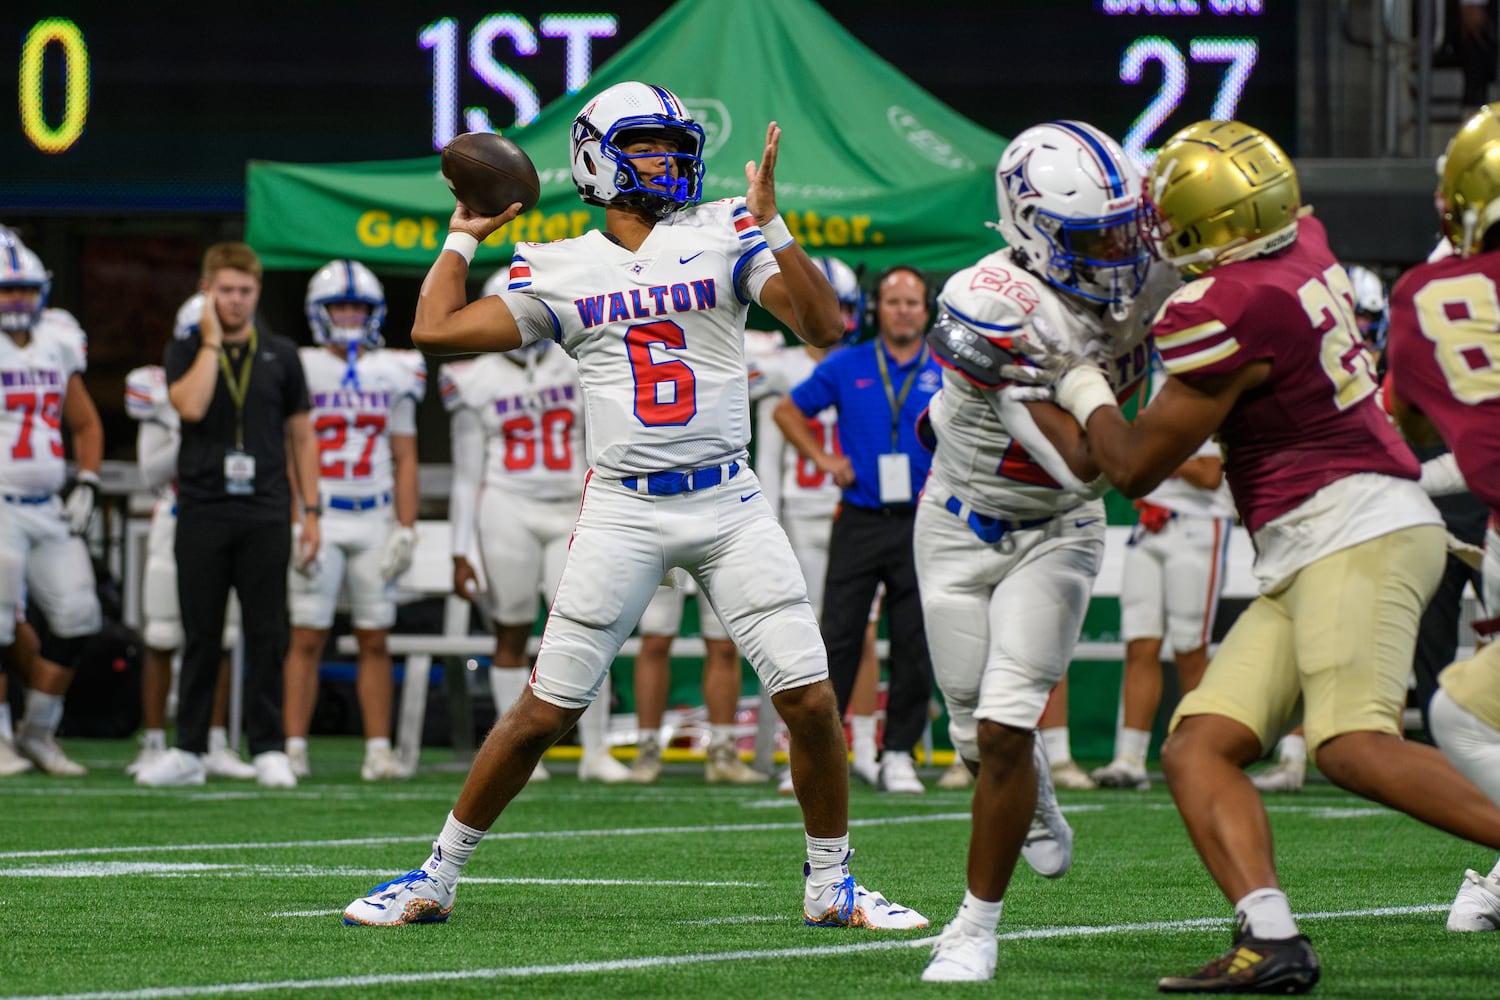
(872,169)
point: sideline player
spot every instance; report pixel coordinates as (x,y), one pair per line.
(1175,563)
(364,413)
(653,307)
(1263,349)
(1008,540)
(42,553)
(156,456)
(1445,366)
(518,470)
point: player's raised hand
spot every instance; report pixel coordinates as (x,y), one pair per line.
(760,192)
(466,220)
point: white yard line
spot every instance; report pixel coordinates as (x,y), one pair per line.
(643,831)
(663,961)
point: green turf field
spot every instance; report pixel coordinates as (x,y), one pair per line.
(672,890)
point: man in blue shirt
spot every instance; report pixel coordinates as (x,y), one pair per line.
(879,389)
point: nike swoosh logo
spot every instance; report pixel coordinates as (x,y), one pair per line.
(684,260)
(750,496)
(1085,523)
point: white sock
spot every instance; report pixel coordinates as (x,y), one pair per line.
(506,685)
(43,712)
(1292,747)
(375,745)
(1055,740)
(154,739)
(593,725)
(1266,914)
(218,739)
(451,851)
(721,734)
(825,861)
(295,743)
(979,916)
(648,737)
(863,727)
(6,732)
(1132,745)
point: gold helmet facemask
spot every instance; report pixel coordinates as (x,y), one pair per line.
(1220,192)
(1469,181)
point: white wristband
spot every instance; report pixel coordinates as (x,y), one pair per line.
(462,244)
(778,236)
(1083,390)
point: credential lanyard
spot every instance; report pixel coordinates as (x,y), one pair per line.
(239,386)
(890,393)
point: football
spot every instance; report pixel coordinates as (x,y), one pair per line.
(489,173)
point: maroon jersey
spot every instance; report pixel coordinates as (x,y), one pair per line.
(1445,360)
(1315,419)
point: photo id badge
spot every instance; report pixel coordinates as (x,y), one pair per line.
(239,472)
(895,478)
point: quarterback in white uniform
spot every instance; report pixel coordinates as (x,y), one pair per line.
(518,470)
(653,308)
(364,412)
(42,359)
(1008,540)
(1175,564)
(156,442)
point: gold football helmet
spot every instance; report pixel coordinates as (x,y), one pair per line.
(1220,192)
(1469,181)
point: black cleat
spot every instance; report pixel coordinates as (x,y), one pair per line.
(1253,965)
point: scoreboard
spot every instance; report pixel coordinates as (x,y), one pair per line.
(156,106)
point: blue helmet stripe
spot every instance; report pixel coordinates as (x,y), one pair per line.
(1111,172)
(666,101)
(349,280)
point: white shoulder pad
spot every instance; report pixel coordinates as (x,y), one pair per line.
(995,298)
(62,328)
(452,378)
(413,369)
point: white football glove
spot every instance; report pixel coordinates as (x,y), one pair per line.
(398,552)
(82,499)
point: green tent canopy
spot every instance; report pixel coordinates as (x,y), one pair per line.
(872,169)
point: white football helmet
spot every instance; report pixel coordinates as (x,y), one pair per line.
(21,268)
(494,285)
(345,281)
(1069,199)
(189,317)
(846,286)
(1370,303)
(606,176)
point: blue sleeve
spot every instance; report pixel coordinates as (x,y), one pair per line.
(820,390)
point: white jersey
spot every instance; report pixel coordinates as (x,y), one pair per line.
(532,416)
(146,401)
(803,489)
(35,380)
(355,413)
(658,334)
(1179,495)
(979,457)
